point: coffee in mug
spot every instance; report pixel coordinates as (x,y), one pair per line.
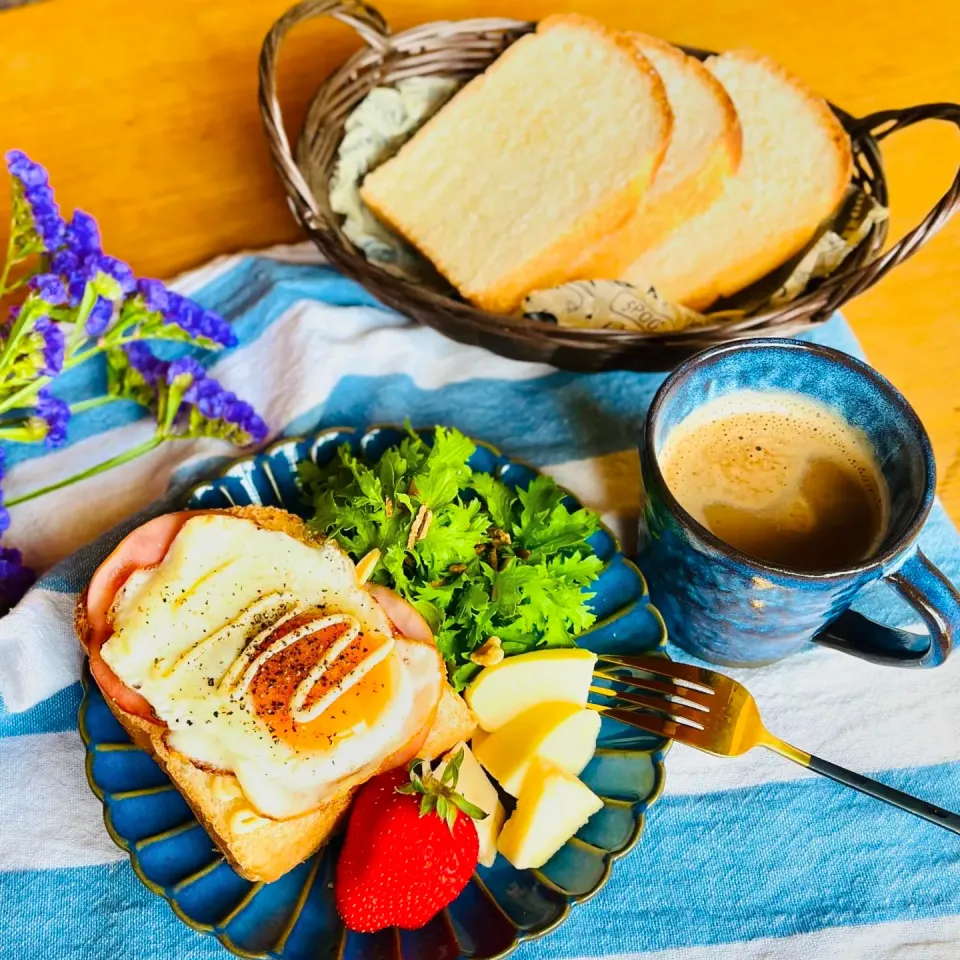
(837,496)
(780,477)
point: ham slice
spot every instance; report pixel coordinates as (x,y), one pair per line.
(144,547)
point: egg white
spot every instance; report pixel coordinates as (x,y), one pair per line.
(179,626)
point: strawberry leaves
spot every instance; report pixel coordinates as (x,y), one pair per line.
(440,796)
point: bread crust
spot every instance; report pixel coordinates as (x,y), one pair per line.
(661,212)
(701,292)
(818,105)
(755,268)
(258,848)
(552,265)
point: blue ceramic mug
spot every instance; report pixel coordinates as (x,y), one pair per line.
(727,607)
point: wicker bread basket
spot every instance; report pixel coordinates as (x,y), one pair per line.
(463,49)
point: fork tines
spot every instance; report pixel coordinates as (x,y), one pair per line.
(681,697)
(677,672)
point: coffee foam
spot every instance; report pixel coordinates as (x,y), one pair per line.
(754,451)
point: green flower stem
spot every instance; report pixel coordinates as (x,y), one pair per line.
(108,342)
(79,358)
(21,434)
(25,395)
(79,331)
(116,461)
(7,264)
(24,320)
(168,404)
(93,403)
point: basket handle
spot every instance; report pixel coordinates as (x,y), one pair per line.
(879,126)
(354,13)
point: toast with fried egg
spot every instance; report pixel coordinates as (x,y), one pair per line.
(338,682)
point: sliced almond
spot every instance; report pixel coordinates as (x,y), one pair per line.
(420,526)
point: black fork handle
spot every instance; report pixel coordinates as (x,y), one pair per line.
(873,788)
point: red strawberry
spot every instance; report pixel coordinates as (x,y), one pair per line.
(411,847)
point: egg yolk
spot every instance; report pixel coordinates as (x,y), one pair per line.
(273,687)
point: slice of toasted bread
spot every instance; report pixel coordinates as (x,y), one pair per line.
(257,847)
(704,151)
(795,168)
(549,150)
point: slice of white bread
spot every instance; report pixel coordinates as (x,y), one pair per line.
(550,149)
(258,848)
(795,168)
(704,151)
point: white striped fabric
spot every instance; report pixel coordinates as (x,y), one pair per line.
(745,859)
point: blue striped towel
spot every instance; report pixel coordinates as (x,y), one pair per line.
(747,859)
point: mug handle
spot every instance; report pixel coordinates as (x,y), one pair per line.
(931,594)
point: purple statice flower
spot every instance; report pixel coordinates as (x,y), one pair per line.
(49,287)
(246,420)
(120,272)
(204,406)
(78,287)
(215,328)
(15,578)
(154,295)
(100,316)
(197,322)
(49,226)
(65,262)
(56,413)
(183,369)
(83,234)
(30,174)
(44,212)
(54,345)
(83,260)
(84,270)
(184,313)
(208,397)
(218,405)
(141,358)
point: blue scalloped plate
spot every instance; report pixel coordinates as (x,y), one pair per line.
(295,916)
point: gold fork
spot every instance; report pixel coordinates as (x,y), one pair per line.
(706,710)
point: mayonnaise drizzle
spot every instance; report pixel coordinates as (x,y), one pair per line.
(279,644)
(272,603)
(305,687)
(233,674)
(242,671)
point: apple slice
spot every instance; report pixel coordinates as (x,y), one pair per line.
(475,786)
(501,692)
(553,805)
(562,733)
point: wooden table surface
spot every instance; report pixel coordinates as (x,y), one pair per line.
(146,115)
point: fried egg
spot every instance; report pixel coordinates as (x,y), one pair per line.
(266,659)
